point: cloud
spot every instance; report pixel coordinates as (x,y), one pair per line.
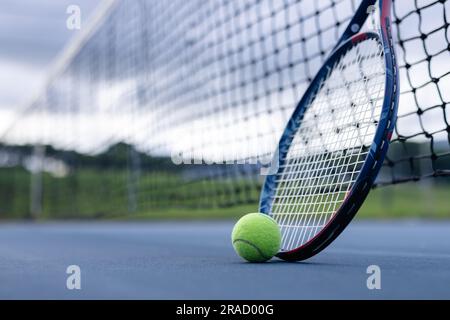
(18,82)
(203,82)
(32,33)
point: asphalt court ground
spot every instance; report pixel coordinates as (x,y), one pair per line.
(195,260)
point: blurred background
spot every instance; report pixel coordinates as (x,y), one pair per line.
(91,118)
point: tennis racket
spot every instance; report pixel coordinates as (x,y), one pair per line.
(337,137)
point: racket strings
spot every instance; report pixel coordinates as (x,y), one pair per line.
(307,226)
(329,148)
(337,197)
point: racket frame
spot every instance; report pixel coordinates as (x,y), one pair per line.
(375,157)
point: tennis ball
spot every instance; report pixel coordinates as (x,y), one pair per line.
(256,237)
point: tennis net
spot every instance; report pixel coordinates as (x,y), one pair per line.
(210,85)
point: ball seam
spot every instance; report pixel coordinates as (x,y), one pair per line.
(254,246)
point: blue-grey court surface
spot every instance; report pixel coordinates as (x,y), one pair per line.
(195,260)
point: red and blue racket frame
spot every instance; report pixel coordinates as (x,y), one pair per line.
(375,157)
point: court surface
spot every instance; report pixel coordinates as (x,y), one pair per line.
(195,260)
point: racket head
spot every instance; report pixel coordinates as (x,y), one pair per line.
(302,244)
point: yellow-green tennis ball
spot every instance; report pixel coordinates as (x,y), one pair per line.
(256,237)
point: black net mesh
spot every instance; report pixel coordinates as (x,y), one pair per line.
(155,83)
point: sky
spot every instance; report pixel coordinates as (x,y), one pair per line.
(32,34)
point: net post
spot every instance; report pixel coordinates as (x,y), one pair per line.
(36,185)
